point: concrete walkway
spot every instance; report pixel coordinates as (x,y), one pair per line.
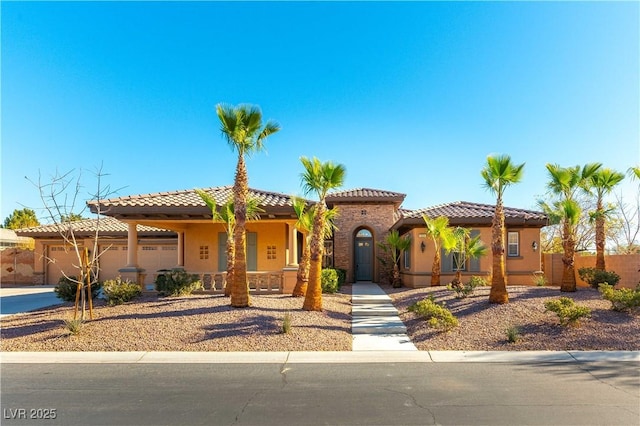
(375,325)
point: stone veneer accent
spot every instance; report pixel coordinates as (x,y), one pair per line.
(377,218)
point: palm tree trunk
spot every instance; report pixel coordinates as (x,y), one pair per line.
(498,292)
(569,247)
(231,253)
(240,288)
(313,298)
(435,268)
(302,281)
(600,237)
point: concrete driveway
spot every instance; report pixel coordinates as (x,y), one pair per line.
(14,300)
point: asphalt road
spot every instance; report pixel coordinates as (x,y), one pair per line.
(314,394)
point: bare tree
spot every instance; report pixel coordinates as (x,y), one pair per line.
(63,200)
(626,235)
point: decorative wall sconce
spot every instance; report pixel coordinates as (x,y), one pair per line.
(534,246)
(422,246)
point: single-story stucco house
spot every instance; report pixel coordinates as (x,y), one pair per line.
(142,234)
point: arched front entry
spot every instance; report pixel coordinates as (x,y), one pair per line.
(363,255)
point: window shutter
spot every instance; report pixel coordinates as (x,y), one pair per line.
(252,251)
(474,265)
(222,251)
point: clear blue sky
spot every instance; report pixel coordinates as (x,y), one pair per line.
(410,97)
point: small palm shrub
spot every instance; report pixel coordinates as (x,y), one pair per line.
(66,289)
(568,312)
(594,277)
(119,292)
(622,300)
(466,289)
(329,280)
(177,282)
(436,315)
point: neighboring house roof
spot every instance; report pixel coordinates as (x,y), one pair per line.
(107,227)
(469,214)
(365,195)
(186,204)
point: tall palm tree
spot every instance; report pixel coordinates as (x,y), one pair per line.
(564,182)
(397,245)
(242,127)
(226,215)
(634,172)
(466,248)
(305,224)
(441,234)
(318,177)
(498,174)
(602,183)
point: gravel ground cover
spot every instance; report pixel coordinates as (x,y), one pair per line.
(483,325)
(193,323)
(208,323)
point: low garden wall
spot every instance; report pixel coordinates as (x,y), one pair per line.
(625,265)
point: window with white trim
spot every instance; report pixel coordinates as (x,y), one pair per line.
(513,244)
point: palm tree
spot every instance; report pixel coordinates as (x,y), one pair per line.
(564,183)
(226,215)
(441,234)
(397,245)
(318,177)
(498,174)
(634,172)
(305,224)
(243,129)
(602,182)
(465,248)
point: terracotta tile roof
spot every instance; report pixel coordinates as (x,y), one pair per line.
(186,204)
(364,194)
(107,226)
(463,212)
(189,198)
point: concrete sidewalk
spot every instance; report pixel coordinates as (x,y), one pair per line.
(531,357)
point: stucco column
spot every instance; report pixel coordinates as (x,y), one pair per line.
(292,250)
(132,246)
(180,249)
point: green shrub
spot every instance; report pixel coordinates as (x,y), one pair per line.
(118,291)
(177,282)
(539,280)
(622,300)
(567,310)
(74,326)
(342,276)
(329,281)
(66,289)
(466,289)
(436,315)
(513,333)
(594,277)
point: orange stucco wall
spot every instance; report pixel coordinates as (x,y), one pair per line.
(519,269)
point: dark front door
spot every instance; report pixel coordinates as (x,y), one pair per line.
(364,255)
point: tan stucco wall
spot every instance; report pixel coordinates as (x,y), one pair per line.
(625,265)
(519,269)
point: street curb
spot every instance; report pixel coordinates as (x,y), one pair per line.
(143,357)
